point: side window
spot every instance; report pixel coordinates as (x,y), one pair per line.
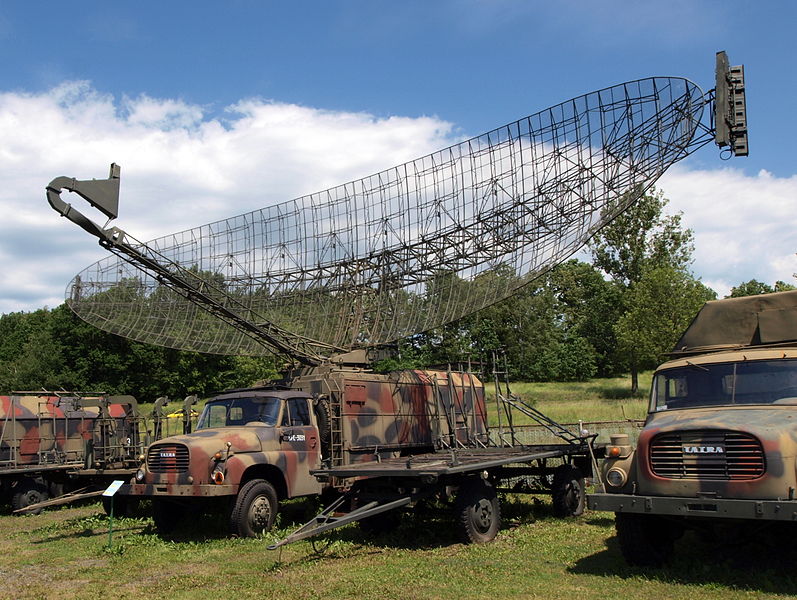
(297,413)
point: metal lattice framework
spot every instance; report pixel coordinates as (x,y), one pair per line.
(413,247)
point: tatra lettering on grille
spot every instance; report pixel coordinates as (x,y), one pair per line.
(708,454)
(167,458)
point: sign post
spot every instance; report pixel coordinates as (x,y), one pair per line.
(110,492)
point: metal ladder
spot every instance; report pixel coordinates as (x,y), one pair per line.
(335,422)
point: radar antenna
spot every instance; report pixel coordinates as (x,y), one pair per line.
(396,253)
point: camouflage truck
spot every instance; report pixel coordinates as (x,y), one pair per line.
(51,443)
(719,447)
(254,447)
(422,432)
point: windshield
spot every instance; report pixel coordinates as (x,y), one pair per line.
(751,382)
(263,410)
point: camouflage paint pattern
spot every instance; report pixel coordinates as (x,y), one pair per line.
(282,454)
(405,411)
(377,416)
(53,430)
(773,425)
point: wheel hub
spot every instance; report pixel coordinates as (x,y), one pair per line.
(483,514)
(260,513)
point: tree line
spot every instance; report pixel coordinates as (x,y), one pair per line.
(619,313)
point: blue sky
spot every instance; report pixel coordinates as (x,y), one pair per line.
(87,83)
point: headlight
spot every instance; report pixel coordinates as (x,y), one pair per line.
(616,477)
(140,474)
(217,475)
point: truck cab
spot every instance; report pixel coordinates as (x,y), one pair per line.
(251,447)
(719,445)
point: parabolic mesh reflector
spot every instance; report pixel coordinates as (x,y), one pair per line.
(415,246)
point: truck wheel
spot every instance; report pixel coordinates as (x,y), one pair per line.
(166,514)
(478,512)
(254,510)
(645,540)
(28,492)
(567,491)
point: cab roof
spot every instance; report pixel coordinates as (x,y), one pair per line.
(260,392)
(761,320)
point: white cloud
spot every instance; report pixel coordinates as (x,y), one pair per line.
(745,226)
(180,169)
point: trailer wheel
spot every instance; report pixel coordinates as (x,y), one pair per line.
(28,492)
(166,514)
(254,510)
(478,512)
(645,540)
(567,491)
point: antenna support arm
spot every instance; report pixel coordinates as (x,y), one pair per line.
(103,194)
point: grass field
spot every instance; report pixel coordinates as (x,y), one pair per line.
(593,400)
(65,553)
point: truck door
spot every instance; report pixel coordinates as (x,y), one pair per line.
(300,445)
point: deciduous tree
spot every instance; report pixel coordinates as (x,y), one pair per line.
(645,247)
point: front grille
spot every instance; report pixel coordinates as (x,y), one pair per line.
(697,455)
(167,458)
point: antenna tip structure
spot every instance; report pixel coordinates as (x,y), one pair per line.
(730,107)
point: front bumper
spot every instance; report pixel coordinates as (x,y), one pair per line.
(182,490)
(713,508)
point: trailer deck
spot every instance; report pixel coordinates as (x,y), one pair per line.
(384,485)
(450,462)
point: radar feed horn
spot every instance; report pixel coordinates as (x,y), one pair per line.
(730,110)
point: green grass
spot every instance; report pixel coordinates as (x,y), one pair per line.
(593,400)
(64,554)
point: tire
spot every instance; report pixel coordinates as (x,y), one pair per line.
(255,509)
(567,491)
(645,540)
(167,515)
(323,417)
(478,512)
(28,492)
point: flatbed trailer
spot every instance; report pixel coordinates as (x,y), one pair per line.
(467,478)
(449,462)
